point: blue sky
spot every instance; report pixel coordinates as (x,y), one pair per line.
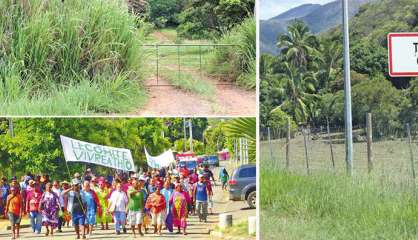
(271,8)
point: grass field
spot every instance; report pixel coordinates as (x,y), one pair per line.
(328,205)
(390,157)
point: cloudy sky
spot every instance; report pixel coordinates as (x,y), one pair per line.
(271,8)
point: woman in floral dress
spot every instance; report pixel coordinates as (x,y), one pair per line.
(179,201)
(49,208)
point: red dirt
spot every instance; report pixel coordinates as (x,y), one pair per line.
(171,101)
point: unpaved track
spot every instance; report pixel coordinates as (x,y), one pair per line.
(228,100)
(171,101)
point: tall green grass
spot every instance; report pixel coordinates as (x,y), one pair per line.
(326,206)
(51,50)
(238,62)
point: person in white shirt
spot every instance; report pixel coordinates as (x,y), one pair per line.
(117,205)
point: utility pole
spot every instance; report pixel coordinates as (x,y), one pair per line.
(11,129)
(347,92)
(185,135)
(191,134)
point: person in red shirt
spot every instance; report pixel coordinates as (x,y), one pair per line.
(14,209)
(33,198)
(157,205)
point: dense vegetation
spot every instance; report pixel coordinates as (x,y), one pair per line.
(239,63)
(82,57)
(69,57)
(35,145)
(199,19)
(305,81)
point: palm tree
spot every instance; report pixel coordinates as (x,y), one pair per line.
(244,128)
(298,45)
(299,91)
(330,63)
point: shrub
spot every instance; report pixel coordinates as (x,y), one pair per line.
(237,62)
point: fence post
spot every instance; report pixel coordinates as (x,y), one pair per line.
(330,145)
(411,152)
(178,61)
(200,62)
(270,147)
(158,61)
(306,150)
(288,144)
(369,127)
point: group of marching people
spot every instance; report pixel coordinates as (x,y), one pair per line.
(159,198)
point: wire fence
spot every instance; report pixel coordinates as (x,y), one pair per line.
(195,61)
(391,154)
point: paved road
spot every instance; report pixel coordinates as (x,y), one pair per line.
(196,230)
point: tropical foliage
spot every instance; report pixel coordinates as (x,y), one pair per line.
(305,81)
(34,144)
(244,128)
(237,61)
(209,19)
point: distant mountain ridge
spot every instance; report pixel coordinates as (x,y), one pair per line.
(318,17)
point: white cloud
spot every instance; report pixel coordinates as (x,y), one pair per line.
(271,8)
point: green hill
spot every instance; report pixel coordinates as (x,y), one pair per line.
(306,79)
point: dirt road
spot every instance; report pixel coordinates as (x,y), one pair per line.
(166,100)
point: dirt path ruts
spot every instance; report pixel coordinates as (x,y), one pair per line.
(160,37)
(171,101)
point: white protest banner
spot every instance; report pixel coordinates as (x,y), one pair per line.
(163,160)
(79,151)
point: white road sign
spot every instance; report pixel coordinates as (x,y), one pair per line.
(403,54)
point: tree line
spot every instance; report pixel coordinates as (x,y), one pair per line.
(34,144)
(305,82)
(197,19)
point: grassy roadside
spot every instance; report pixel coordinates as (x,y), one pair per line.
(325,206)
(237,231)
(69,58)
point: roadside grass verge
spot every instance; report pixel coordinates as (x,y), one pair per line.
(53,51)
(237,230)
(328,206)
(187,81)
(83,98)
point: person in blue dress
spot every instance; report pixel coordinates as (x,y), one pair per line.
(92,207)
(167,191)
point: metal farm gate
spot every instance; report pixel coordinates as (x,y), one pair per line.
(166,61)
